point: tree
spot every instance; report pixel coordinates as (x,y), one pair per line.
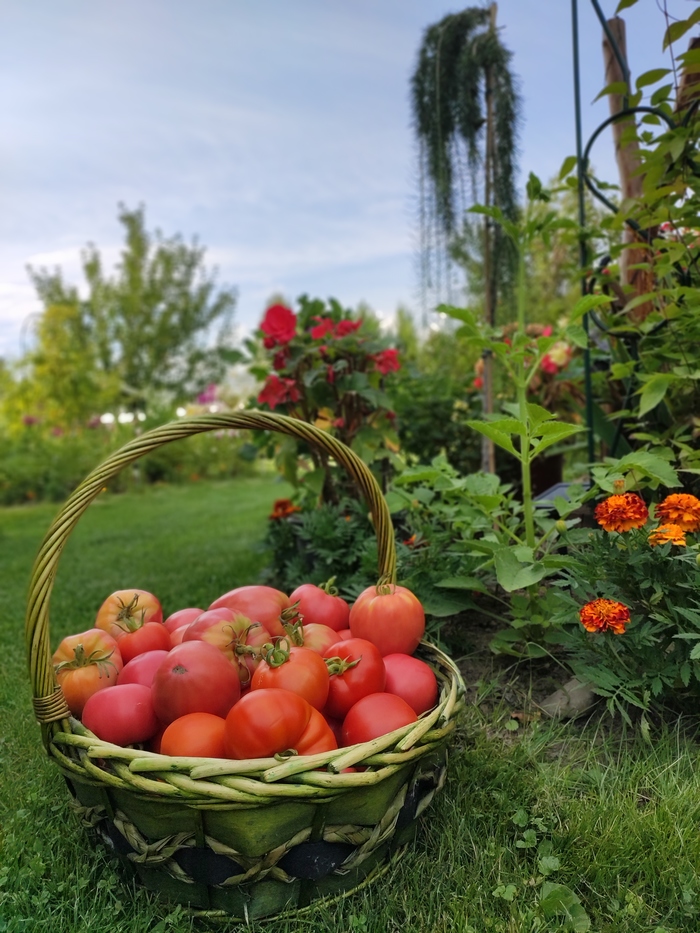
(465,110)
(148,328)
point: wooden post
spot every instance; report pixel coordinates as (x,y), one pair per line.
(488,450)
(627,156)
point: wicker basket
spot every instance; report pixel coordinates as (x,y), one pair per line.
(244,838)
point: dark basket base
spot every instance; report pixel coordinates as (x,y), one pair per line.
(191,869)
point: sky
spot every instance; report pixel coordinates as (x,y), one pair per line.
(279,134)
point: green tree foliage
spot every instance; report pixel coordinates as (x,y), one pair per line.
(459,56)
(148,328)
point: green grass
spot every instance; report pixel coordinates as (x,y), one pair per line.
(611,819)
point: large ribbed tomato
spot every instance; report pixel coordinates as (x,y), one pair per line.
(126,610)
(233,633)
(375,715)
(194,678)
(85,663)
(265,722)
(411,679)
(300,670)
(390,616)
(262,604)
(321,604)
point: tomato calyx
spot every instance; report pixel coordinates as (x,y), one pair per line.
(81,659)
(130,617)
(291,615)
(295,632)
(329,588)
(339,665)
(276,655)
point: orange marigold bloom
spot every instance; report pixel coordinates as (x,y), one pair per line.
(667,534)
(680,509)
(622,512)
(603,615)
(283,508)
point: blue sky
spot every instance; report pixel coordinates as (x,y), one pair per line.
(277,133)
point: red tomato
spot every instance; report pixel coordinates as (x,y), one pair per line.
(356,669)
(123,715)
(153,636)
(390,617)
(344,634)
(265,722)
(317,737)
(300,670)
(233,633)
(321,604)
(261,604)
(126,610)
(84,664)
(411,679)
(142,668)
(181,617)
(177,636)
(194,678)
(195,735)
(317,637)
(375,715)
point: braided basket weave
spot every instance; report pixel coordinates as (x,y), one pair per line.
(250,838)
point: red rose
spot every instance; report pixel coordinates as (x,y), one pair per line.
(386,361)
(279,326)
(279,360)
(277,391)
(343,328)
(324,326)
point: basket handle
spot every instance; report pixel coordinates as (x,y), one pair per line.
(49,703)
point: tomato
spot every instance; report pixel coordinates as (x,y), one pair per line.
(182,617)
(321,604)
(126,610)
(194,678)
(177,636)
(84,664)
(123,715)
(356,668)
(297,669)
(344,634)
(265,722)
(142,668)
(391,617)
(195,735)
(411,679)
(375,715)
(152,636)
(318,637)
(261,604)
(233,633)
(317,737)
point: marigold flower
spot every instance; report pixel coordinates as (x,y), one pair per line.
(604,615)
(283,508)
(680,509)
(667,534)
(621,512)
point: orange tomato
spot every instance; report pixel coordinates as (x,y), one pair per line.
(85,663)
(195,735)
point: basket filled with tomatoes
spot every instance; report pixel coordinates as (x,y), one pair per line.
(249,757)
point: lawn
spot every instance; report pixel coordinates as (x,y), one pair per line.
(586,814)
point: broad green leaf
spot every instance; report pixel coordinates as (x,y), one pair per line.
(577,335)
(622,370)
(567,166)
(498,437)
(616,87)
(557,899)
(587,303)
(553,433)
(651,77)
(654,390)
(537,414)
(463,583)
(651,464)
(512,575)
(314,480)
(678,29)
(624,4)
